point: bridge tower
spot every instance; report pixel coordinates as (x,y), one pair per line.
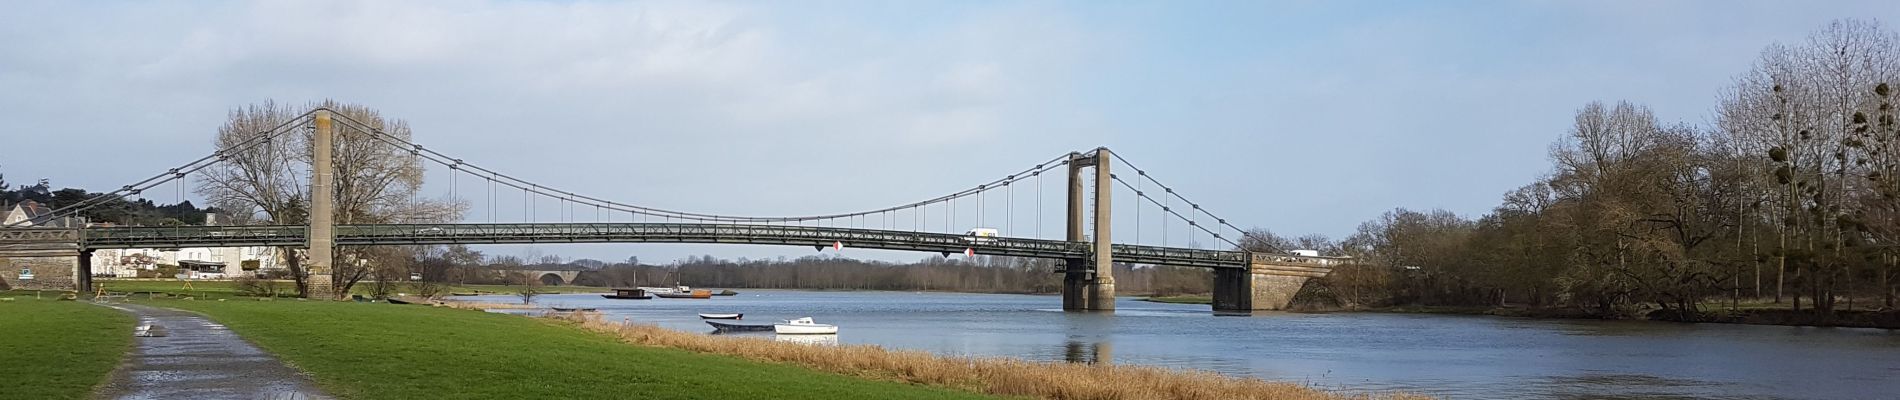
(1088,284)
(322,240)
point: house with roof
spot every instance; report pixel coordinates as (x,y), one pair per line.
(34,215)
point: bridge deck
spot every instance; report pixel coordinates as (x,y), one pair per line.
(405,234)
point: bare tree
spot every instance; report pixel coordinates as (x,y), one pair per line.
(530,286)
(376,182)
(1265,241)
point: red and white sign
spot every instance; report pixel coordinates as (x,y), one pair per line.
(837,245)
(969,252)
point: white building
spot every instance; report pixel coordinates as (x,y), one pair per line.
(238,261)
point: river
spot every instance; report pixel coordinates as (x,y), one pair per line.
(1458,357)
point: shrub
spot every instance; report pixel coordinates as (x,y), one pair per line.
(253,286)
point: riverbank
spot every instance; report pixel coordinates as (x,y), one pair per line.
(1746,316)
(1182,299)
(1838,319)
(1754,314)
(53,349)
(385,351)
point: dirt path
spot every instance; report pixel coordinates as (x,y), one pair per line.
(199,359)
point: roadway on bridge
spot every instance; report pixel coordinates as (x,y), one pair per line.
(429,234)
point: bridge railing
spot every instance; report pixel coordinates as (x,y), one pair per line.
(192,236)
(1178,256)
(424,234)
(38,235)
(1295,259)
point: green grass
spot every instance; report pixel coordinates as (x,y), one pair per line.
(1184,299)
(383,351)
(203,289)
(58,349)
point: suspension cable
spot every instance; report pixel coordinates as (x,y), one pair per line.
(507,180)
(177,173)
(1171,192)
(1167,210)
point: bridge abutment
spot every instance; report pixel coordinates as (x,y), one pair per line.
(1269,282)
(43,259)
(42,270)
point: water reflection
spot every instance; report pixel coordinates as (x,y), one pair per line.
(1084,352)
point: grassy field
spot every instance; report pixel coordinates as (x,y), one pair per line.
(383,351)
(1183,299)
(58,349)
(228,289)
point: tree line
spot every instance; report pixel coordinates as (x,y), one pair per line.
(1790,196)
(121,211)
(986,274)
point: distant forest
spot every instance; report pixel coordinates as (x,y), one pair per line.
(121,211)
(1791,196)
(988,274)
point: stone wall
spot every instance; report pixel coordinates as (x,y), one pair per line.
(1275,292)
(49,273)
(1242,290)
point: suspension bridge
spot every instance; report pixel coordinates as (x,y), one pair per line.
(1242,281)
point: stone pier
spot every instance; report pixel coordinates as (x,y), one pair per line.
(322,238)
(1268,283)
(1088,284)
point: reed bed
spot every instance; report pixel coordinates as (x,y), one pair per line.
(995,376)
(476,305)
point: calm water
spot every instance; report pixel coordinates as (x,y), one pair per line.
(1463,357)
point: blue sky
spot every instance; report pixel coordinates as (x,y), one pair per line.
(1301,117)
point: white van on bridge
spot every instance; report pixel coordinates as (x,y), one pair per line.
(982,235)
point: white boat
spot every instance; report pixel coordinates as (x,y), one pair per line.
(804,326)
(721,316)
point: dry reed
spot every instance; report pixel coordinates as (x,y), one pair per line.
(996,376)
(477,305)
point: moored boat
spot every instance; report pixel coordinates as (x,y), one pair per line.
(721,316)
(727,292)
(683,292)
(724,327)
(804,326)
(628,294)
